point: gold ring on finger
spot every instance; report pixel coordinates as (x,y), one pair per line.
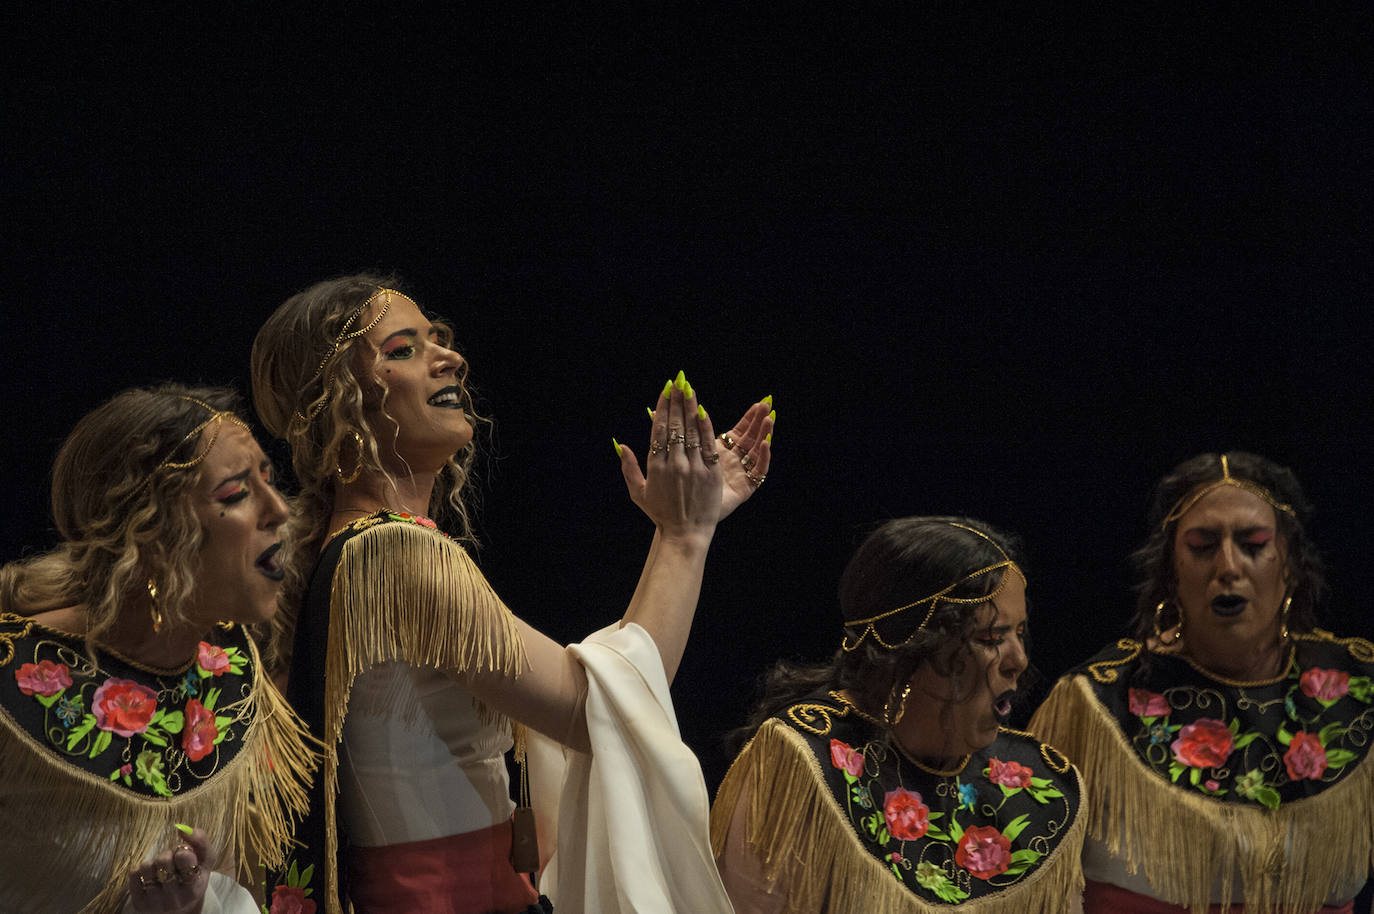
(676,438)
(657,447)
(711,459)
(756,481)
(691,446)
(747,461)
(164,876)
(727,441)
(143,883)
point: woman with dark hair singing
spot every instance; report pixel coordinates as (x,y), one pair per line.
(132,703)
(1224,743)
(410,668)
(882,781)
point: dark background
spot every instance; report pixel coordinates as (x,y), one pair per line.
(1005,262)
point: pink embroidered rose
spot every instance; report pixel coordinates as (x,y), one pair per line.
(211,659)
(199,732)
(426,522)
(983,851)
(1009,774)
(42,678)
(1324,685)
(1205,743)
(287,899)
(1212,785)
(1147,704)
(845,756)
(126,770)
(123,706)
(907,817)
(1306,757)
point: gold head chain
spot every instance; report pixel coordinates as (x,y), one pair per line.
(345,334)
(1187,501)
(217,419)
(852,642)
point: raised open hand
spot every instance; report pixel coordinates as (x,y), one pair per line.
(680,484)
(747,452)
(174,881)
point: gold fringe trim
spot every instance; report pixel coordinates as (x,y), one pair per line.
(403,593)
(249,806)
(1284,860)
(807,844)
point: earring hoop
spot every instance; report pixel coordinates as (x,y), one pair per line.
(357,467)
(1283,619)
(1159,633)
(894,719)
(153,609)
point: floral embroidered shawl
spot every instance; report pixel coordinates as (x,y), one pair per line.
(1197,780)
(869,830)
(111,753)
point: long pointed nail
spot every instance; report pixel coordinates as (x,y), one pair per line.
(619,451)
(687,389)
(651,413)
(769,438)
(667,389)
(184,829)
(773,414)
(681,381)
(768,400)
(701,411)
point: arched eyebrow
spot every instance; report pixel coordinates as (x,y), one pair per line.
(408,331)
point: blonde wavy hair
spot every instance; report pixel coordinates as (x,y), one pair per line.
(125,518)
(306,391)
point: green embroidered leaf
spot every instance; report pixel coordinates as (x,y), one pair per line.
(306,874)
(1015,827)
(1008,791)
(956,831)
(202,672)
(1234,727)
(155,738)
(849,778)
(157,716)
(1195,776)
(174,722)
(293,876)
(114,775)
(128,781)
(79,731)
(937,834)
(1026,855)
(935,815)
(1266,796)
(1243,741)
(232,652)
(1330,732)
(883,837)
(211,699)
(1044,796)
(101,742)
(1284,736)
(1361,688)
(1175,769)
(1041,782)
(160,788)
(1339,758)
(48,701)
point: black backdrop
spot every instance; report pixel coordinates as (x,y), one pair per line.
(1004,262)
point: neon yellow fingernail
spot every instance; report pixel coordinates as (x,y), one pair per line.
(184,829)
(701,411)
(688,390)
(667,389)
(651,413)
(681,381)
(618,449)
(773,414)
(769,438)
(768,401)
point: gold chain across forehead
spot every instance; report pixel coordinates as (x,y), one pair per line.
(217,418)
(852,642)
(1187,501)
(344,335)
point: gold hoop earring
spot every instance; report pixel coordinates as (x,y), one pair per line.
(1283,619)
(153,610)
(891,719)
(357,468)
(1159,634)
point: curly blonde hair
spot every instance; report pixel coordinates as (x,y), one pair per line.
(306,391)
(134,526)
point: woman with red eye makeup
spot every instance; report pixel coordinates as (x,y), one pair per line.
(883,780)
(1224,744)
(147,758)
(417,678)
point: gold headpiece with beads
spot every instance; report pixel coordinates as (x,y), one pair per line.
(344,335)
(217,418)
(851,642)
(1181,506)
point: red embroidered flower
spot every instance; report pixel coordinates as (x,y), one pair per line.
(1145,703)
(907,817)
(1306,757)
(199,732)
(1205,743)
(123,706)
(426,522)
(983,851)
(288,899)
(42,678)
(1009,774)
(1324,685)
(843,755)
(212,659)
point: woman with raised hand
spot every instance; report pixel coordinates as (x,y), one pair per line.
(132,701)
(883,781)
(1224,743)
(409,667)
